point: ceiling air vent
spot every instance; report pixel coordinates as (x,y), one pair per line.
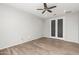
(67,11)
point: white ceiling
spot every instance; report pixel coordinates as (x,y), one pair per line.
(59,10)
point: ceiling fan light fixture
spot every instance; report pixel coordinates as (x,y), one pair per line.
(54,15)
(46,8)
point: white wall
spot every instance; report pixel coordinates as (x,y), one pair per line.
(70,27)
(17,26)
(47,28)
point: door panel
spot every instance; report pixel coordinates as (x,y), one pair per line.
(60,28)
(53,28)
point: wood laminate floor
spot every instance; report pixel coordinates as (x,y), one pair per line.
(43,46)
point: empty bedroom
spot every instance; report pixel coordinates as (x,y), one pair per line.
(39,28)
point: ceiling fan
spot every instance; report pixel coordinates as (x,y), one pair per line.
(46,8)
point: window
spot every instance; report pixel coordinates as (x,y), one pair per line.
(53,28)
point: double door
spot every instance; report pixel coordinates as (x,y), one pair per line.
(58,29)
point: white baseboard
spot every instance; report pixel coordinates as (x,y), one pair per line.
(64,40)
(20,43)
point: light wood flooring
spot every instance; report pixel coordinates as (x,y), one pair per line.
(43,46)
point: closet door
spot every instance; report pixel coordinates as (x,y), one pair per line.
(53,28)
(60,28)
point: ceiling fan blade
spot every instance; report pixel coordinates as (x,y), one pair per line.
(52,7)
(39,9)
(43,11)
(45,5)
(49,11)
